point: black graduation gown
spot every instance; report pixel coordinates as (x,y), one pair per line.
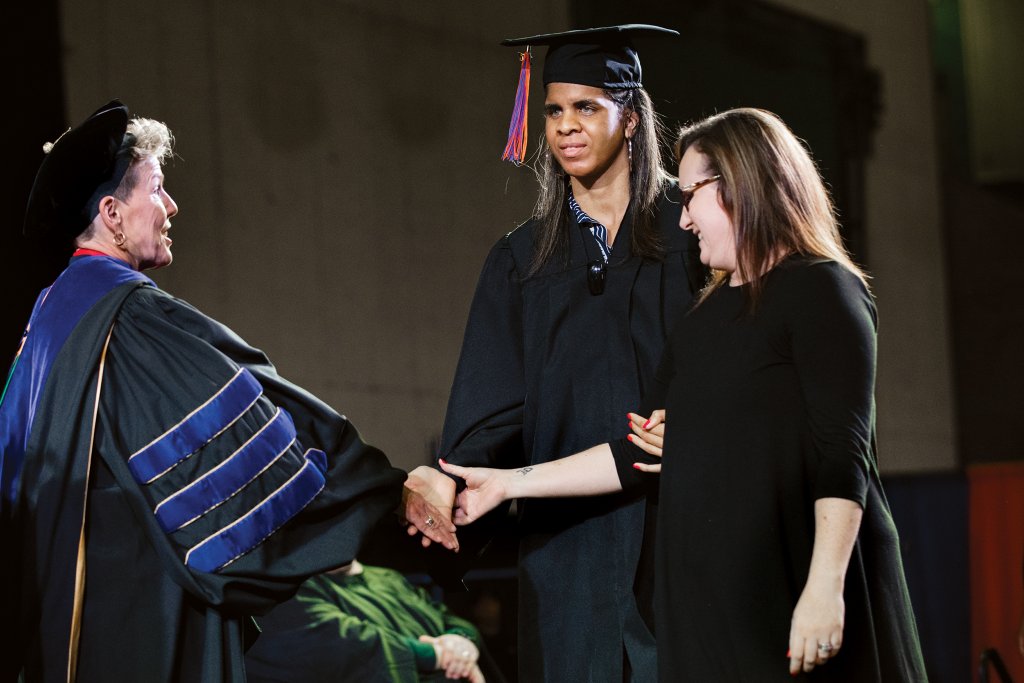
(215,487)
(547,369)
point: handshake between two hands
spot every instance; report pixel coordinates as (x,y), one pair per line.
(431,507)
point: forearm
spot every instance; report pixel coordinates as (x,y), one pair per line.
(836,524)
(587,473)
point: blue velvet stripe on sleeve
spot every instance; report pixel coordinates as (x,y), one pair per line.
(229,477)
(245,533)
(197,429)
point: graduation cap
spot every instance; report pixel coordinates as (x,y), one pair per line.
(81,167)
(598,57)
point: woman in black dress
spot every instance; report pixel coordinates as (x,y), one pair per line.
(773,534)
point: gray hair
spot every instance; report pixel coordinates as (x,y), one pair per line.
(143,138)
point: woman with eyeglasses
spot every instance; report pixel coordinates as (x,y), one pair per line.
(776,553)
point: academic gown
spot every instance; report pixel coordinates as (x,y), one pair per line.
(214,486)
(548,369)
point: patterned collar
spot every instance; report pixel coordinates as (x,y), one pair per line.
(599,232)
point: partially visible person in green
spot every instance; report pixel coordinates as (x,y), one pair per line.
(365,624)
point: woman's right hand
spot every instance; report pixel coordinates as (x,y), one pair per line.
(486,488)
(649,436)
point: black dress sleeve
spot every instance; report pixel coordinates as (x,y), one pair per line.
(484,421)
(832,323)
(244,483)
(624,452)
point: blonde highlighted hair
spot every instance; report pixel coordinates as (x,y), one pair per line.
(772,191)
(143,138)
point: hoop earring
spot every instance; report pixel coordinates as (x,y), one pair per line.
(120,239)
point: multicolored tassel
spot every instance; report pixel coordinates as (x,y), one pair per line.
(515,148)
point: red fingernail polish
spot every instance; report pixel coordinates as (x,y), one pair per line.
(789,653)
(647,424)
(636,466)
(442,461)
(629,437)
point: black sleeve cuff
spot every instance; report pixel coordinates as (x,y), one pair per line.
(625,454)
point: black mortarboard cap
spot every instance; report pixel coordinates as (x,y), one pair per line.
(599,57)
(81,167)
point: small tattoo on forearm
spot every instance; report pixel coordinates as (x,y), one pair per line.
(524,471)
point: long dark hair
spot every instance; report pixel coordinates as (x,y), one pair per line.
(647,180)
(772,191)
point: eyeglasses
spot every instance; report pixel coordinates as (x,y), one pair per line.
(690,189)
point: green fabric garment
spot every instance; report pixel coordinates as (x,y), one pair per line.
(353,628)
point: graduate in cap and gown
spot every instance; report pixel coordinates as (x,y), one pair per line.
(160,482)
(568,322)
(776,555)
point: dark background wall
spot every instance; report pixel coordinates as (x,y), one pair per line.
(34,104)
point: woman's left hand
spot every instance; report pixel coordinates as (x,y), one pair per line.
(816,632)
(649,436)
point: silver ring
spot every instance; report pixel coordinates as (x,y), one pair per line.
(825,647)
(429,521)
